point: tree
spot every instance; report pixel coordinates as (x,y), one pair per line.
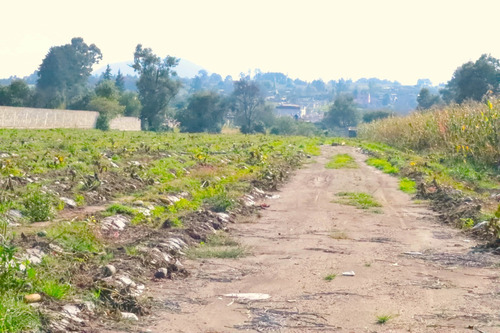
(342,113)
(120,81)
(64,72)
(205,113)
(368,117)
(426,100)
(107,89)
(17,93)
(156,85)
(473,80)
(248,105)
(107,76)
(130,101)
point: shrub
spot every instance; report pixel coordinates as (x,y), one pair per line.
(38,206)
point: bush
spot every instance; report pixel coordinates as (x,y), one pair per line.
(38,206)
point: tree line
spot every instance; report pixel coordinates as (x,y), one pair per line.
(206,102)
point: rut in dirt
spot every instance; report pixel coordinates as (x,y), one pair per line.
(408,269)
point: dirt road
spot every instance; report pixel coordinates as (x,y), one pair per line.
(422,275)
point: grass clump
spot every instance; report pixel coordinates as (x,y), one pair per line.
(383,319)
(407,185)
(218,245)
(383,165)
(358,199)
(55,289)
(340,161)
(76,237)
(119,209)
(338,235)
(330,277)
(16,316)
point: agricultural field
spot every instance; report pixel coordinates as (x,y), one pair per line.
(88,218)
(75,206)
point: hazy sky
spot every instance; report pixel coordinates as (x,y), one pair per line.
(399,40)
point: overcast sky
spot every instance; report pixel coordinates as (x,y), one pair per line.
(401,40)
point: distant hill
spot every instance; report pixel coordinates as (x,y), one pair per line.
(185,69)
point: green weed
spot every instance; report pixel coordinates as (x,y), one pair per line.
(383,319)
(383,165)
(16,316)
(407,185)
(340,161)
(76,236)
(330,277)
(120,209)
(358,199)
(55,289)
(38,206)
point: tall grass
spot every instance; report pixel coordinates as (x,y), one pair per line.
(469,132)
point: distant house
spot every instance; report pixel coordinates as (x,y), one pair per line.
(290,110)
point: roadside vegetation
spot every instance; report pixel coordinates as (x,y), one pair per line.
(450,156)
(150,185)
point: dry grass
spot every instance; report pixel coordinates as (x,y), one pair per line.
(469,132)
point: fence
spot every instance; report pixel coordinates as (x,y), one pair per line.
(30,118)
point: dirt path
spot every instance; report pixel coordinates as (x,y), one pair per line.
(303,237)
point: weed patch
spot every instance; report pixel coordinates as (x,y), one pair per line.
(341,161)
(407,185)
(330,277)
(383,319)
(358,199)
(218,245)
(383,165)
(76,236)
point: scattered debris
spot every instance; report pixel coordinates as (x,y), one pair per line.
(349,273)
(71,312)
(129,316)
(161,273)
(413,253)
(35,255)
(249,296)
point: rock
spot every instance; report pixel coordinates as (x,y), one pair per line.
(116,222)
(129,316)
(109,270)
(114,165)
(126,281)
(413,253)
(70,203)
(350,273)
(223,217)
(480,226)
(35,255)
(89,306)
(4,155)
(138,203)
(42,233)
(161,273)
(71,312)
(144,211)
(15,215)
(32,298)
